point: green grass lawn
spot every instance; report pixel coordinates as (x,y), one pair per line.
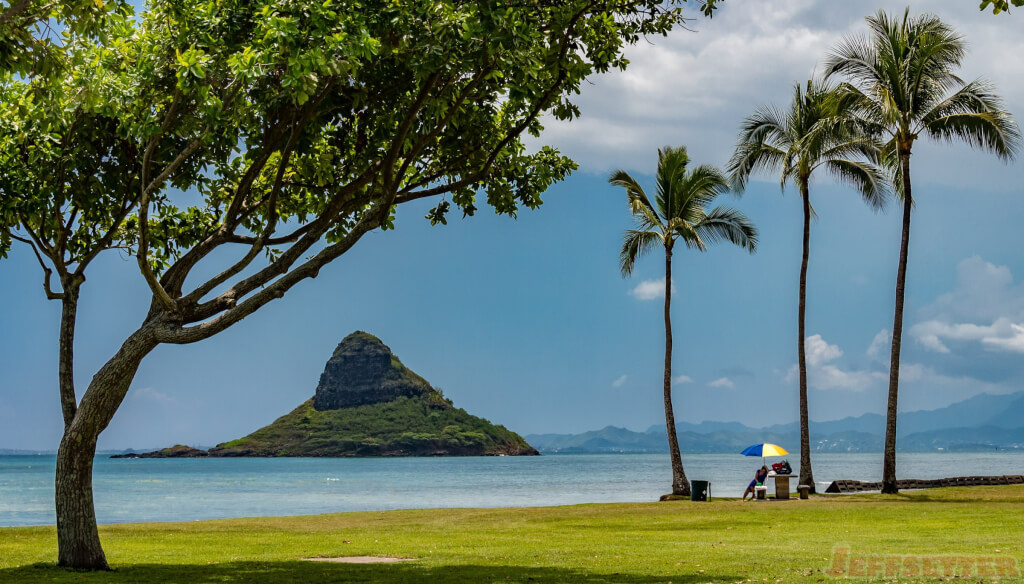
(678,542)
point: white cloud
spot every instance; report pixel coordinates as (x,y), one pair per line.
(832,377)
(985,308)
(1013,343)
(822,374)
(651,290)
(722,382)
(881,341)
(682,379)
(620,381)
(983,292)
(818,352)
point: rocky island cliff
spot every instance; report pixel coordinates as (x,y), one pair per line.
(368,403)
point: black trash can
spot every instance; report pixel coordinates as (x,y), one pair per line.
(700,490)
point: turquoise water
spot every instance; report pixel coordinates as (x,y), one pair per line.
(198,488)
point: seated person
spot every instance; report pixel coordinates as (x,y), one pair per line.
(759,477)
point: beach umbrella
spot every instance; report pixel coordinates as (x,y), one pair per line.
(763,450)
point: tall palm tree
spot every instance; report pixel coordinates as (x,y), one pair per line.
(901,79)
(678,213)
(795,143)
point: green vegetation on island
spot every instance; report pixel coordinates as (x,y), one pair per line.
(723,541)
(369,404)
(407,426)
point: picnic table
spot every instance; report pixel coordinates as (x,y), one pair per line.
(781,484)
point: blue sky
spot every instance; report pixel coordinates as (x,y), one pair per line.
(529,323)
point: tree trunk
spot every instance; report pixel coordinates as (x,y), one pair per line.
(889,459)
(78,541)
(806,475)
(66,353)
(680,486)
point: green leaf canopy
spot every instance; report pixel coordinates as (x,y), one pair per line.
(286,129)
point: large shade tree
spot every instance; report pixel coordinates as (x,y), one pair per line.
(294,127)
(678,213)
(901,79)
(794,143)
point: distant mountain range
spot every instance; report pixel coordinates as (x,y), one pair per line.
(982,423)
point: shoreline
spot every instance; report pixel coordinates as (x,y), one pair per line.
(858,497)
(159,490)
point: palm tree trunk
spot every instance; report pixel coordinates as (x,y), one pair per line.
(806,475)
(680,486)
(889,459)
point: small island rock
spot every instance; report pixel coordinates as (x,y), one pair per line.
(176,451)
(368,403)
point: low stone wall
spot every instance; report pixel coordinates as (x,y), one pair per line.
(851,486)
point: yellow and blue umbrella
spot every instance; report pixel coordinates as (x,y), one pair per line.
(764,450)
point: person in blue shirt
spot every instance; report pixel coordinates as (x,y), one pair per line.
(759,478)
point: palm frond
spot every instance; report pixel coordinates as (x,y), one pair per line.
(820,127)
(697,189)
(856,58)
(726,224)
(671,169)
(900,78)
(870,181)
(937,50)
(635,244)
(854,147)
(683,196)
(639,203)
(762,146)
(975,114)
(889,162)
(992,131)
(850,100)
(976,96)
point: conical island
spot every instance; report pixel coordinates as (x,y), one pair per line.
(369,404)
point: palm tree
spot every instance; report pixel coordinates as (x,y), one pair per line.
(795,143)
(901,79)
(679,212)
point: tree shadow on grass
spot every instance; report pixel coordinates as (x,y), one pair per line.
(300,571)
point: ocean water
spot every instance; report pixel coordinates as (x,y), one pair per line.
(129,490)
